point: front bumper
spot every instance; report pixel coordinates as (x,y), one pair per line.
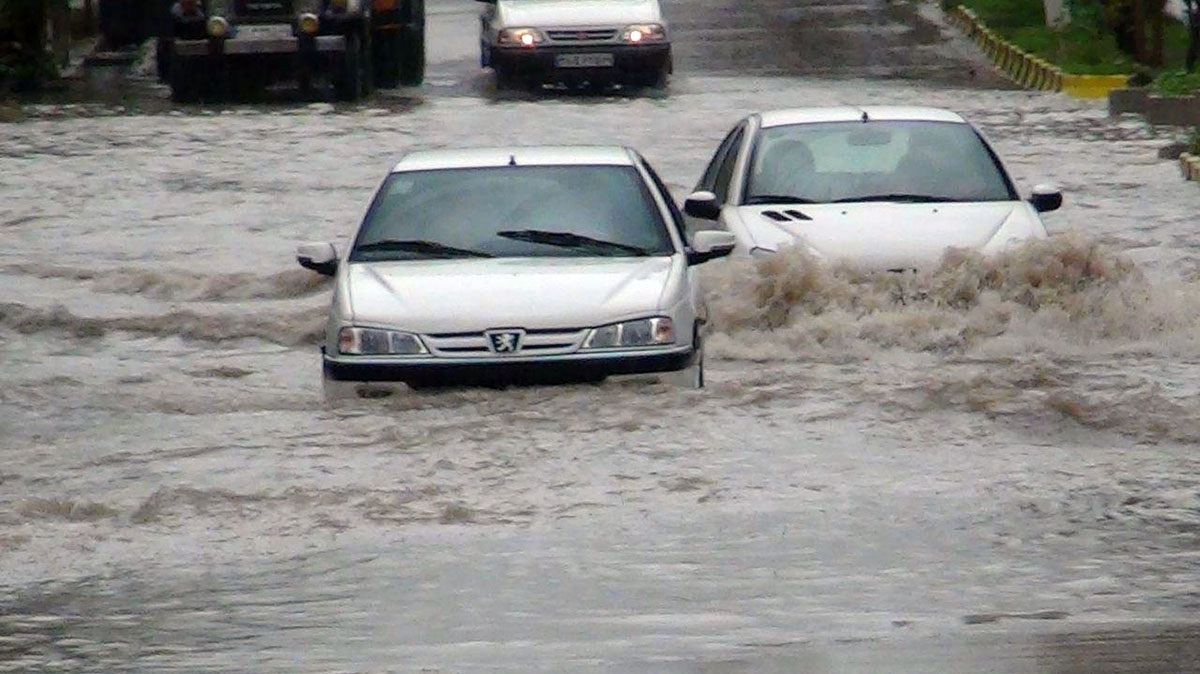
(627,60)
(430,372)
(232,46)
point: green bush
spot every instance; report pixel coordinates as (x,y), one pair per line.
(1176,83)
(1086,46)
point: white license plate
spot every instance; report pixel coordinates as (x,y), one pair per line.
(584,60)
(271,31)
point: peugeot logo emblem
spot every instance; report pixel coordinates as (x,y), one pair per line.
(505,341)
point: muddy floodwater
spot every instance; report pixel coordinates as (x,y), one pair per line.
(989,467)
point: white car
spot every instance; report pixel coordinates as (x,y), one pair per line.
(593,41)
(499,266)
(876,187)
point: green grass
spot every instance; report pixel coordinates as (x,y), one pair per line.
(1085,47)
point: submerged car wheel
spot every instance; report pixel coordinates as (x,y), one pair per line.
(692,376)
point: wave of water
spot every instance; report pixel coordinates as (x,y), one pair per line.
(1061,294)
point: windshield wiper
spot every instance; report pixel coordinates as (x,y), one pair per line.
(569,240)
(777,199)
(907,198)
(420,246)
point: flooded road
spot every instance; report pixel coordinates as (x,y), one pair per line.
(998,473)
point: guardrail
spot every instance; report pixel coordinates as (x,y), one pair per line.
(1027,70)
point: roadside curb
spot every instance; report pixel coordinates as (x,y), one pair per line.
(1027,70)
(1189,166)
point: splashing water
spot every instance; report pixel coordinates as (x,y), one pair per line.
(1068,290)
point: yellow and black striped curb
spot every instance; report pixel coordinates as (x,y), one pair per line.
(1027,70)
(1189,166)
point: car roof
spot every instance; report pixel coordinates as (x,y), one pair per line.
(849,113)
(530,155)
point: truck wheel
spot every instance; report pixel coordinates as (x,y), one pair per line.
(412,56)
(162,58)
(385,58)
(184,77)
(348,81)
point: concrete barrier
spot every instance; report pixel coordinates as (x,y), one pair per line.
(1172,110)
(1028,70)
(1189,166)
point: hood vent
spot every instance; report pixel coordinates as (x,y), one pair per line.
(786,216)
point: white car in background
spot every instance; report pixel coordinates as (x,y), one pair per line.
(581,41)
(501,266)
(879,187)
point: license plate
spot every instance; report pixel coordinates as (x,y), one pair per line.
(584,60)
(273,31)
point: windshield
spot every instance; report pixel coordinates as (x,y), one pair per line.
(874,161)
(513,211)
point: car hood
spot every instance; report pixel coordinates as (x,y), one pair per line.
(890,235)
(578,13)
(442,296)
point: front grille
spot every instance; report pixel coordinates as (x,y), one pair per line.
(584,35)
(536,342)
(250,9)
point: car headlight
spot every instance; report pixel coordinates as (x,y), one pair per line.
(645,32)
(217,27)
(643,332)
(309,24)
(375,342)
(525,37)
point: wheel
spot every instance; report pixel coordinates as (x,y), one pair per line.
(412,56)
(692,376)
(348,81)
(385,58)
(162,58)
(185,78)
(656,79)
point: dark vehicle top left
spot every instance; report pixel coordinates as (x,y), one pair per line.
(213,50)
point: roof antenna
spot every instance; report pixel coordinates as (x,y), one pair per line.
(512,160)
(865,119)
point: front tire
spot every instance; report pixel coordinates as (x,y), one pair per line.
(412,56)
(185,76)
(348,82)
(692,376)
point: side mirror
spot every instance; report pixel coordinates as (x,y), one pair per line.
(319,257)
(710,244)
(703,205)
(1046,198)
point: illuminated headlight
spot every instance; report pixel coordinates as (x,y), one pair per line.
(309,24)
(647,32)
(644,332)
(373,342)
(217,27)
(525,37)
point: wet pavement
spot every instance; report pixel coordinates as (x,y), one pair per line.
(995,480)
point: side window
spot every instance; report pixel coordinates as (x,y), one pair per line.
(727,146)
(676,215)
(725,171)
